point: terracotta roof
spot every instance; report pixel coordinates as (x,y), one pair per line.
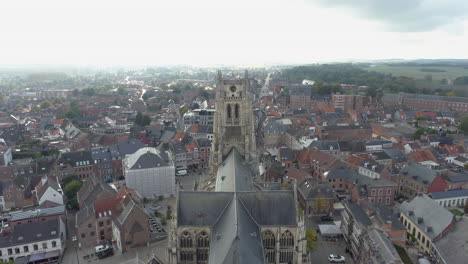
(323,159)
(194,128)
(304,156)
(298,175)
(191,147)
(123,138)
(58,121)
(127,191)
(55,132)
(101,206)
(179,135)
(452,149)
(275,114)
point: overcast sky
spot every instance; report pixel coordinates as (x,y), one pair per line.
(204,32)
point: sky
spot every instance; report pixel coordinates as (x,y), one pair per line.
(242,32)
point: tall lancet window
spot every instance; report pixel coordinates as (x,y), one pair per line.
(229,111)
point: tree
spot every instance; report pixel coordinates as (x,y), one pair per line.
(57,100)
(72,188)
(418,133)
(46,104)
(183,110)
(35,109)
(165,146)
(428,77)
(195,106)
(139,118)
(122,91)
(463,127)
(320,205)
(146,120)
(311,238)
(155,107)
(421,118)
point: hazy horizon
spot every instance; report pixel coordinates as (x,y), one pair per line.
(210,33)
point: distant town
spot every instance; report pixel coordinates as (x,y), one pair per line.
(323,163)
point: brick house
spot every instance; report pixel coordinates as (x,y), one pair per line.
(414,179)
(316,198)
(131,228)
(204,148)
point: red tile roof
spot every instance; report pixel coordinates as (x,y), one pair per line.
(101,206)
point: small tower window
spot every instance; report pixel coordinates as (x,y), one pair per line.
(229,111)
(237,111)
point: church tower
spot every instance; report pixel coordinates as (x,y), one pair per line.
(233,121)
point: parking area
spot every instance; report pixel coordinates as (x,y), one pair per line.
(157,230)
(326,246)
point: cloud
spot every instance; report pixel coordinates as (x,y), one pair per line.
(405,15)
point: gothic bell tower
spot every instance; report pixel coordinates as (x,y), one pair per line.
(233,122)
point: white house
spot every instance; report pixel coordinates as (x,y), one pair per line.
(150,172)
(460,161)
(30,241)
(451,198)
(49,190)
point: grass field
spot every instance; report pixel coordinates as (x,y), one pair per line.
(415,71)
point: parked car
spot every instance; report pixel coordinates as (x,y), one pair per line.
(181,172)
(326,218)
(336,258)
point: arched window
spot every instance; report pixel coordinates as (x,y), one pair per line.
(268,239)
(236,108)
(269,245)
(186,255)
(287,239)
(202,254)
(229,111)
(186,240)
(203,240)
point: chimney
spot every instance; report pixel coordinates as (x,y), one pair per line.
(43,180)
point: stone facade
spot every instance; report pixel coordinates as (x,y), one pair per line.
(234,122)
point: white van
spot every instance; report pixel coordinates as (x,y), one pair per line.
(181,173)
(101,248)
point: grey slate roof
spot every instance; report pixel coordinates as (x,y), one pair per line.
(32,232)
(326,145)
(286,153)
(449,194)
(203,143)
(452,247)
(270,208)
(310,190)
(79,158)
(38,213)
(234,174)
(236,237)
(4,186)
(432,214)
(418,173)
(358,214)
(274,127)
(129,146)
(201,208)
(459,177)
(395,154)
(149,160)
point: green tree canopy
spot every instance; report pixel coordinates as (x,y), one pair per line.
(45,104)
(72,188)
(464,125)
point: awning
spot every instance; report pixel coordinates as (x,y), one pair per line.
(330,230)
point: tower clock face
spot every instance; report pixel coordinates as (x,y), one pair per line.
(233,89)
